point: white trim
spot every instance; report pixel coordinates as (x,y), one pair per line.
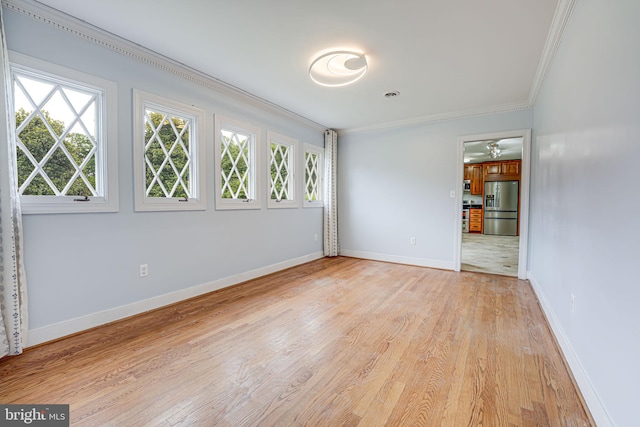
(254,202)
(107,161)
(523,215)
(554,37)
(420,262)
(64,22)
(588,391)
(292,170)
(525,183)
(457,207)
(105,39)
(198,199)
(72,326)
(460,114)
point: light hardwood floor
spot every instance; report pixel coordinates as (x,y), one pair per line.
(334,342)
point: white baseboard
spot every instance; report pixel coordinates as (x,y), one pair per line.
(591,398)
(72,326)
(422,262)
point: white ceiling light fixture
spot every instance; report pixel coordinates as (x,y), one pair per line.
(338,68)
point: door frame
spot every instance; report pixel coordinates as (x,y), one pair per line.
(523,215)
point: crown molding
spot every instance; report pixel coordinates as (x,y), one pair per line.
(439,118)
(554,37)
(64,22)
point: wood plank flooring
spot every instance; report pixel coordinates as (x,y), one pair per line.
(334,342)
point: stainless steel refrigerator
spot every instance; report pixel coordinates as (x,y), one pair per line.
(501,208)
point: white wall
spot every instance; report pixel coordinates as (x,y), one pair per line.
(584,228)
(395,184)
(85,266)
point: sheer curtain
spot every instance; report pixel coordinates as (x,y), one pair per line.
(13,286)
(331,197)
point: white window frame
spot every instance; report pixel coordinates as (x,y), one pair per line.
(197,200)
(319,151)
(292,143)
(107,138)
(255,183)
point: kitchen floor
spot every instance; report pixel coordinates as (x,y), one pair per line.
(490,254)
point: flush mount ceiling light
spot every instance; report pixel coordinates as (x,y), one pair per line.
(338,68)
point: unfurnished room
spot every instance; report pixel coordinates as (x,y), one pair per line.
(293,213)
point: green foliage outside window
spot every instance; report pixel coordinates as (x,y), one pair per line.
(39,138)
(279,172)
(235,166)
(311,177)
(167,156)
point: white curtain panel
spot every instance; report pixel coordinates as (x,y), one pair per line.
(13,286)
(331,247)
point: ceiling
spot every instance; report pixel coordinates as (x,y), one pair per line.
(478,152)
(447,58)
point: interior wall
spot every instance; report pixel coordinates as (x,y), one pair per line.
(82,264)
(583,229)
(395,184)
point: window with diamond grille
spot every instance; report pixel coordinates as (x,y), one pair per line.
(282,171)
(313,170)
(61,152)
(236,153)
(167,154)
(55,138)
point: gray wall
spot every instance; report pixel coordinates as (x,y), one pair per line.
(396,184)
(82,264)
(393,185)
(584,231)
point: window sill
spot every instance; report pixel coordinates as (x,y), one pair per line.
(228,205)
(65,205)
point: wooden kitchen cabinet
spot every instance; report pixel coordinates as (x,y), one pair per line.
(491,168)
(507,170)
(475,220)
(473,173)
(476,179)
(510,167)
(467,172)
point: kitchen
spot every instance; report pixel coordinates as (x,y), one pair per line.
(490,206)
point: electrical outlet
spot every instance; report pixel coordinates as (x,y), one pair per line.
(413,241)
(573,303)
(144,270)
(315,237)
(452,194)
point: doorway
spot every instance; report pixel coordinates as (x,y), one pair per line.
(492,206)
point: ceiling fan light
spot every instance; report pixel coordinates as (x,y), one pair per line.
(494,149)
(338,68)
